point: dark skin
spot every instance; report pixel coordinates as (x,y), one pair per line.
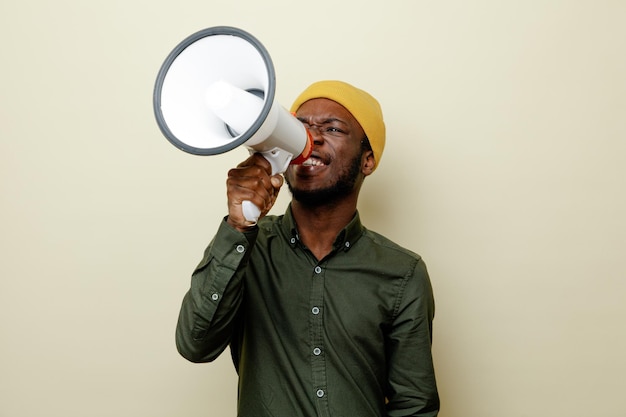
(337,146)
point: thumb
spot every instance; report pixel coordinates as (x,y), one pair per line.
(277,181)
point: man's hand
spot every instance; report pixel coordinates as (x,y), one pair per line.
(252,181)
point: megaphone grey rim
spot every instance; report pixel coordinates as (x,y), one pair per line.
(269,94)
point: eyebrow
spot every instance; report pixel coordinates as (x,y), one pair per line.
(326,121)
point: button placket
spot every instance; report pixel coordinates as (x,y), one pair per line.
(316,332)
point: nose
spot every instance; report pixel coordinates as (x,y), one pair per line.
(316,133)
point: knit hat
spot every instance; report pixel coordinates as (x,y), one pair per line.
(365,109)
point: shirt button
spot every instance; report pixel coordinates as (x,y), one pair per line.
(293,240)
(320,393)
(315,310)
(318,270)
(347,244)
(241,248)
(317,351)
(215,296)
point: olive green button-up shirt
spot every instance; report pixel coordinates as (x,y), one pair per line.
(348,335)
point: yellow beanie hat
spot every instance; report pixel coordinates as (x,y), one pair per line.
(365,109)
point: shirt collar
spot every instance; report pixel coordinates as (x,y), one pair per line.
(346,238)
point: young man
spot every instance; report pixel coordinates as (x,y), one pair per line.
(323,316)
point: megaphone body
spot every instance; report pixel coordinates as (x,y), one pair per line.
(215,92)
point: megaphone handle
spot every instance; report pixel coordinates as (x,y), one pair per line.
(250,211)
(279,159)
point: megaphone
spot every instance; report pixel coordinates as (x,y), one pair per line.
(215,91)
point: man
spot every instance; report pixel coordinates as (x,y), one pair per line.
(323,316)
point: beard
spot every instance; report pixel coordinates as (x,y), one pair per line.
(324,196)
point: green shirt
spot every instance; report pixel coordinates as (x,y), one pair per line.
(349,335)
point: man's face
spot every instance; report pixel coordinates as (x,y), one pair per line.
(335,167)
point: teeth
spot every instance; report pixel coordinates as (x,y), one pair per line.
(312,162)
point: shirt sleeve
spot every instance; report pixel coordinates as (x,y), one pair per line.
(209,309)
(412,385)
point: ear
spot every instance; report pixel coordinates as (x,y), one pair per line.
(368,163)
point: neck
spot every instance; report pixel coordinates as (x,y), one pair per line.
(319,226)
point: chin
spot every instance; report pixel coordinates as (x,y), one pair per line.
(321,196)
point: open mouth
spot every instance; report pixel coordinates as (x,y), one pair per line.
(315,160)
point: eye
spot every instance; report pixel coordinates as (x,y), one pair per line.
(335,131)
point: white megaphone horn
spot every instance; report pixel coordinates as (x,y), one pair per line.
(215,91)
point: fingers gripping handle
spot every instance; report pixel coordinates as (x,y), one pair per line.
(279,159)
